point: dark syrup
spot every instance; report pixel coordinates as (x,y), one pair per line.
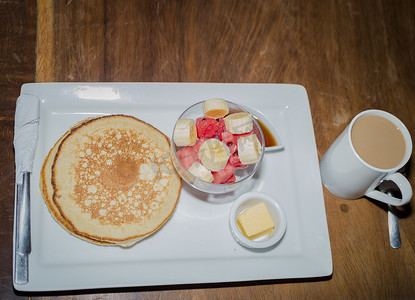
(270,140)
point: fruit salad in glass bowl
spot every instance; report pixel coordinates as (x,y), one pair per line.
(217,146)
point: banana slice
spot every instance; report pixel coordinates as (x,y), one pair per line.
(214,154)
(239,123)
(198,170)
(185,133)
(215,108)
(249,149)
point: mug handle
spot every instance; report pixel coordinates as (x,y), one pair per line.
(403,185)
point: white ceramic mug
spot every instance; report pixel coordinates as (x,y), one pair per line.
(348,176)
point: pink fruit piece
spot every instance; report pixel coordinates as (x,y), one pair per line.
(231,179)
(222,126)
(237,136)
(207,127)
(188,155)
(199,143)
(230,140)
(224,174)
(236,162)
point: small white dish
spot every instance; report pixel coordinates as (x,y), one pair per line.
(275,210)
(270,126)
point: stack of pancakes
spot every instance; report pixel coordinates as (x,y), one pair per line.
(110,180)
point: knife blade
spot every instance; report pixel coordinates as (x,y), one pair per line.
(23,242)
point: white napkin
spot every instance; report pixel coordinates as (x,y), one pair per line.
(26,123)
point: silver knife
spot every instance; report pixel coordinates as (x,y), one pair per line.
(22,238)
(25,140)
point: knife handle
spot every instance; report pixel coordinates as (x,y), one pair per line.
(23,244)
(21,268)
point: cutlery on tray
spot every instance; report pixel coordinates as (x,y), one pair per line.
(25,139)
(22,238)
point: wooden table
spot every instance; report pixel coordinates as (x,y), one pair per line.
(350,56)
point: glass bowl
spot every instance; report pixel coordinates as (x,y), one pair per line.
(242,175)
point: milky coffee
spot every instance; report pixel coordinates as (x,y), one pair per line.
(378,141)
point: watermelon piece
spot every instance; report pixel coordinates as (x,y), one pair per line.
(236,162)
(237,136)
(222,126)
(199,143)
(207,127)
(188,155)
(230,140)
(231,179)
(224,174)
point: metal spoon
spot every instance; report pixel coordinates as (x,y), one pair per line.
(394,234)
(389,187)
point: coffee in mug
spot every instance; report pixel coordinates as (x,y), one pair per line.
(378,141)
(372,148)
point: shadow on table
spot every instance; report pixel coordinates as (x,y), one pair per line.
(389,187)
(172,287)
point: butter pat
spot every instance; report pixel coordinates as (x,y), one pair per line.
(255,221)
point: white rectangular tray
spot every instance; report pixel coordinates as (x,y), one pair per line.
(196,245)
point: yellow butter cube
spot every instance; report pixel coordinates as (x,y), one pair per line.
(255,221)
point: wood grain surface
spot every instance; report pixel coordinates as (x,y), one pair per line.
(17,66)
(350,55)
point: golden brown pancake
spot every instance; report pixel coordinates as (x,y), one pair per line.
(47,191)
(110,180)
